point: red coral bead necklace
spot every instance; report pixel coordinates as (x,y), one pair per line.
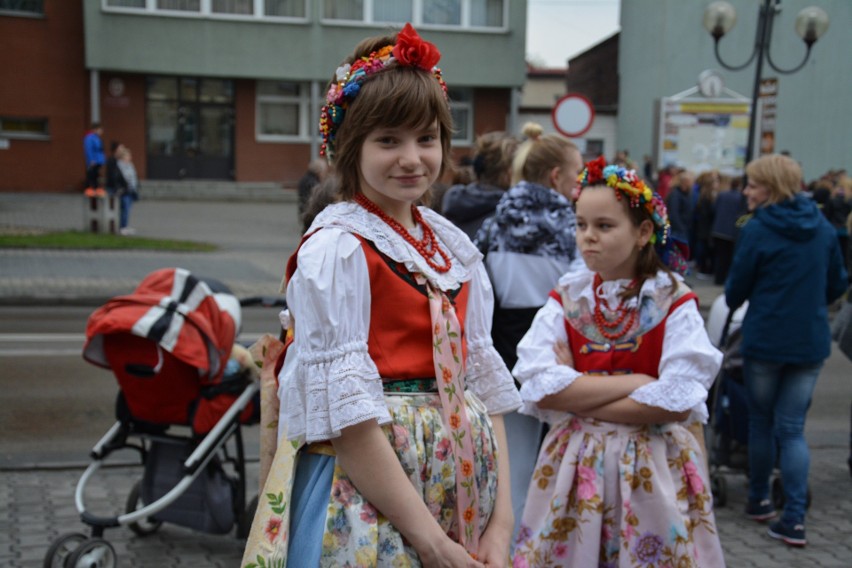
(622,313)
(427,247)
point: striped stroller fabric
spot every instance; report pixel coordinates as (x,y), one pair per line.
(178,312)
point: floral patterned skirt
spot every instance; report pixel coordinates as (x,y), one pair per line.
(354,533)
(613,495)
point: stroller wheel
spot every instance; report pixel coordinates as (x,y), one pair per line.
(61,549)
(778,498)
(93,553)
(719,488)
(144,527)
(246,518)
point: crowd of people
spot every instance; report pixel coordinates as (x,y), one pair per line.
(512,370)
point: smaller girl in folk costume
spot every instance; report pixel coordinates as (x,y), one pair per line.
(619,364)
(391,386)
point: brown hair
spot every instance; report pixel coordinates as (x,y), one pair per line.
(397,96)
(648,262)
(537,157)
(780,174)
(492,163)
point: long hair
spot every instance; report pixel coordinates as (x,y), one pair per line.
(396,97)
(648,263)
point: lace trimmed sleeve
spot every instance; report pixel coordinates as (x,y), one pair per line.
(688,366)
(487,375)
(537,369)
(329,381)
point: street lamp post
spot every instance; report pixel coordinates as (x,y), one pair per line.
(720,17)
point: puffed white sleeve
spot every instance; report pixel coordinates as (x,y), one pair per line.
(537,369)
(487,375)
(329,381)
(688,366)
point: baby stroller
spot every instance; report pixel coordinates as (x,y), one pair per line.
(169,346)
(727,435)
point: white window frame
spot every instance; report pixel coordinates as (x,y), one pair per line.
(417,18)
(466,105)
(206,11)
(303,102)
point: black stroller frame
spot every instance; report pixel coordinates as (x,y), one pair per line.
(75,549)
(727,454)
(197,480)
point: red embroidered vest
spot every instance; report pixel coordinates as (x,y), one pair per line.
(400,338)
(640,353)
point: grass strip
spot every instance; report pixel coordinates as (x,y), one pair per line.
(94,241)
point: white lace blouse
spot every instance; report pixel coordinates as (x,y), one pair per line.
(329,381)
(687,368)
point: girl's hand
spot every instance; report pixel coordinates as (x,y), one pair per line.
(494,546)
(563,353)
(447,554)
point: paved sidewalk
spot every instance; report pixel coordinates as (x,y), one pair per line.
(255,238)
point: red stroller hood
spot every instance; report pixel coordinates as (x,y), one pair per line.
(175,310)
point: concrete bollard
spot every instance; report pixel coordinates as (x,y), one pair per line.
(100,212)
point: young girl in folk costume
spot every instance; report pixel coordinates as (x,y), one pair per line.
(619,364)
(392,381)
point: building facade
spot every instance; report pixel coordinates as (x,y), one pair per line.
(663,48)
(221,89)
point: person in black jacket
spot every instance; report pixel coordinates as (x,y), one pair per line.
(467,206)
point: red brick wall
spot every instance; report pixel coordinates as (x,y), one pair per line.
(263,161)
(44,77)
(123,115)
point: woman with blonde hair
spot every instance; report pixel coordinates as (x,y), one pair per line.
(528,244)
(789,267)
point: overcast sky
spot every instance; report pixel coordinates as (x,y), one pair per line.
(560,29)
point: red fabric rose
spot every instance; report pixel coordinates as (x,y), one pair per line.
(411,50)
(595,170)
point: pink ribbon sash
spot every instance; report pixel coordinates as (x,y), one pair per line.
(449,373)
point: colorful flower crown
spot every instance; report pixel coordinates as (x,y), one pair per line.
(410,50)
(627,184)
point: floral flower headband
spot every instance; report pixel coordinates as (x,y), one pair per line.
(627,184)
(410,50)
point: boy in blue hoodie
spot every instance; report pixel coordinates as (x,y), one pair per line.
(93,149)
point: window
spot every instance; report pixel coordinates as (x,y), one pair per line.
(179,5)
(486,13)
(282,111)
(284,8)
(126,3)
(461,107)
(446,13)
(24,128)
(232,7)
(22,6)
(442,12)
(296,9)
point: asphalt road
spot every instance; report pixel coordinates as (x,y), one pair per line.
(55,404)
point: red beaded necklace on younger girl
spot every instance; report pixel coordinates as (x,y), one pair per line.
(622,313)
(428,246)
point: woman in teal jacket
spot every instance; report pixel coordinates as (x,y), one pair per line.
(788,266)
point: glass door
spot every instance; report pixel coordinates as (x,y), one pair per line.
(190,128)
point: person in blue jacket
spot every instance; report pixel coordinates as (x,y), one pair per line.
(788,265)
(93,149)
